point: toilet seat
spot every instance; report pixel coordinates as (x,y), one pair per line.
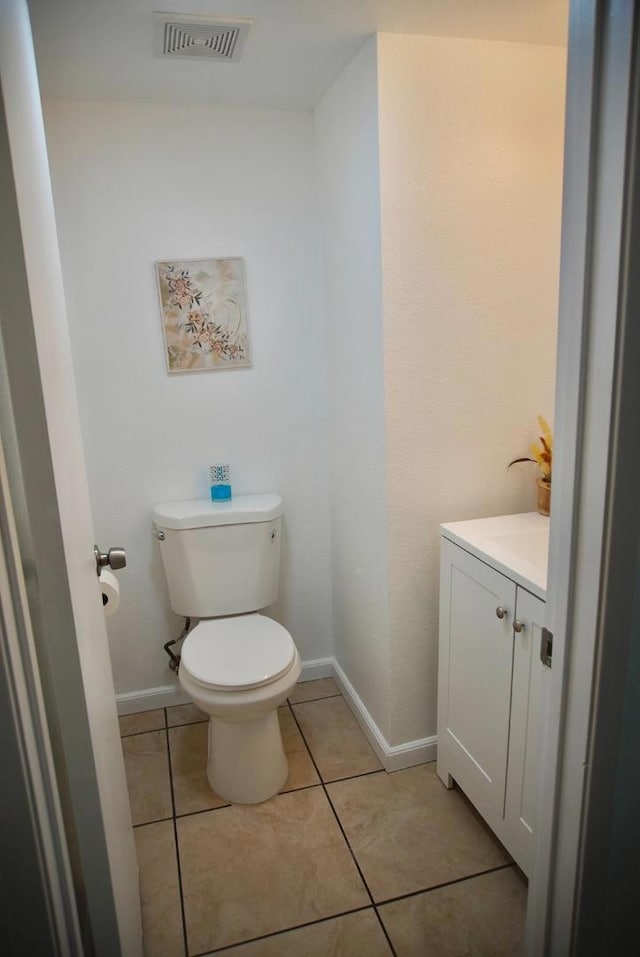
(232,654)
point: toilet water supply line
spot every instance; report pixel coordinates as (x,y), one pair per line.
(174,663)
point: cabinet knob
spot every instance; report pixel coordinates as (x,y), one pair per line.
(518,625)
(501,612)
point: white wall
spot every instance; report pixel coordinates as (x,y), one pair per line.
(437,173)
(439,167)
(347,163)
(134,183)
(471,139)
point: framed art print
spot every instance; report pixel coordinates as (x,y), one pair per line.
(203,303)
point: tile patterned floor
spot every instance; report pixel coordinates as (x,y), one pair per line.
(347,860)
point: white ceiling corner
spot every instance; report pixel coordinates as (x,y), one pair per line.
(104,49)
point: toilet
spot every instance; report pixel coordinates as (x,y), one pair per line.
(221,561)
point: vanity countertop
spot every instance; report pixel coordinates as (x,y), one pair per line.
(516,545)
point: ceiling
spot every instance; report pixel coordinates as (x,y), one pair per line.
(103,49)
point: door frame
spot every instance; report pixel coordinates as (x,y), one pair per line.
(40,423)
(606,910)
(29,798)
(595,206)
(600,63)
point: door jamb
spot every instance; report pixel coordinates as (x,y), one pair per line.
(598,79)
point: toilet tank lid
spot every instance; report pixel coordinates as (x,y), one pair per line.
(203,513)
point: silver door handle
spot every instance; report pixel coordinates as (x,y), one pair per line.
(115,558)
(501,612)
(518,626)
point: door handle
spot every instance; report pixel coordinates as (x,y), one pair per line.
(115,558)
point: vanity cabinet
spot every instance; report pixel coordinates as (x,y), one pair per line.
(490,684)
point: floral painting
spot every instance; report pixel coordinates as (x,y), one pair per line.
(204,314)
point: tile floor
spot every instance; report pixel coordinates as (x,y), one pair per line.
(347,860)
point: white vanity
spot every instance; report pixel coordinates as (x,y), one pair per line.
(491,680)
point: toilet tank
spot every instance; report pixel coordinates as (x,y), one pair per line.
(220,558)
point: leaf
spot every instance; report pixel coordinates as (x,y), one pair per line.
(546,432)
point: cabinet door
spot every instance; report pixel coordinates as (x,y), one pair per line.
(528,676)
(476,648)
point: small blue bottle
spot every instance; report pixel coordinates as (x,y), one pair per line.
(220,478)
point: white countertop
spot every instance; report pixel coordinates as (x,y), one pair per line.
(516,545)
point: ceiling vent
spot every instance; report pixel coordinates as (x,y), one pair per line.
(211,38)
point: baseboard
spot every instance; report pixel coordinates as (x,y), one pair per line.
(392,757)
(150,698)
(316,668)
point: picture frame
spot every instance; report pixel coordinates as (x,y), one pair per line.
(203,308)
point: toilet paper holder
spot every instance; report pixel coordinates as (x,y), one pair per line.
(115,558)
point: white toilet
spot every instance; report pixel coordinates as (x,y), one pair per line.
(222,562)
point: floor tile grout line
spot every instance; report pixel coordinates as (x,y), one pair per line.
(183,724)
(173,797)
(177,847)
(136,734)
(221,807)
(358,868)
(187,724)
(348,777)
(162,727)
(302,787)
(157,820)
(352,777)
(400,897)
(204,810)
(337,694)
(285,930)
(380,903)
(179,866)
(383,927)
(437,887)
(344,835)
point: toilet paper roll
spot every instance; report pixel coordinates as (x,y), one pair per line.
(110,591)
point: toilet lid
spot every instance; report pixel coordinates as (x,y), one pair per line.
(246,651)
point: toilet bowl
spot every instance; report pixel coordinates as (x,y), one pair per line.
(239,670)
(221,561)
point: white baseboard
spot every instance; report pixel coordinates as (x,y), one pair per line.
(150,698)
(316,668)
(393,757)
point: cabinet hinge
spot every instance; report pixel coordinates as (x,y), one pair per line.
(546,647)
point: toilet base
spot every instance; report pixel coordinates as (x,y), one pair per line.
(246,762)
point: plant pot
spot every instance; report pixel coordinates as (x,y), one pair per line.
(544,496)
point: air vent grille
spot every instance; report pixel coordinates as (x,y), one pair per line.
(214,39)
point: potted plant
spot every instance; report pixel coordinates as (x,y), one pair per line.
(542,452)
